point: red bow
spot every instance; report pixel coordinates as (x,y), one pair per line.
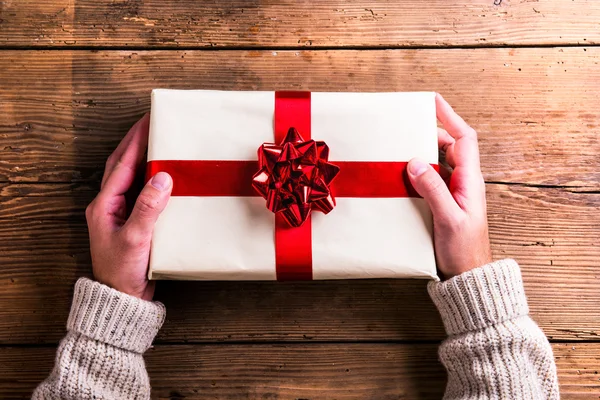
(295,176)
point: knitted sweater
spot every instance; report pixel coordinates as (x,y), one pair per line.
(494,349)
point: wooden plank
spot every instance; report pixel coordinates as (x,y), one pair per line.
(61,116)
(555,236)
(553,233)
(45,201)
(299,371)
(169,23)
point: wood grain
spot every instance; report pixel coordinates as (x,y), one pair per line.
(63,111)
(209,24)
(553,233)
(298,371)
(45,201)
(60,117)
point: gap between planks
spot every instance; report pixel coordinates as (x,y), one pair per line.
(292,48)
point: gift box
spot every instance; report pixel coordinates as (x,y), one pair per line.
(291,185)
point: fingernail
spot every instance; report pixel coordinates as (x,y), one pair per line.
(161,181)
(417,167)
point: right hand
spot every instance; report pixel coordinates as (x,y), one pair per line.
(460,229)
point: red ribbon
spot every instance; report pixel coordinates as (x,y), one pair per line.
(234,178)
(295,177)
(293,245)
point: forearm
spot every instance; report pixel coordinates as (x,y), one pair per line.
(494,349)
(101,355)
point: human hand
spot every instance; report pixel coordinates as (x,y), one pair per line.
(119,242)
(457,198)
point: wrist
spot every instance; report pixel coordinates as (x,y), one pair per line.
(466,260)
(144,289)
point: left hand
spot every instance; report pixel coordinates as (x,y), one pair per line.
(120,243)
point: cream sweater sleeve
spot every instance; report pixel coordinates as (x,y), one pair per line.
(494,349)
(101,356)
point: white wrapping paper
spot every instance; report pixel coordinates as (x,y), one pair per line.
(232,238)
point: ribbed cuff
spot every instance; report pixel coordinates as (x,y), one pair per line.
(479,298)
(115,318)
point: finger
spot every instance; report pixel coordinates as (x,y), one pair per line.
(446,145)
(119,181)
(465,151)
(445,173)
(129,148)
(468,190)
(139,128)
(451,121)
(429,184)
(150,203)
(123,173)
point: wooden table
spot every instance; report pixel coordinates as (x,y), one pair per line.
(76,74)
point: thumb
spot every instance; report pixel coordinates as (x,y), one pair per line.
(150,203)
(429,184)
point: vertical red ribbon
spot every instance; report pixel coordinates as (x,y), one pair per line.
(293,246)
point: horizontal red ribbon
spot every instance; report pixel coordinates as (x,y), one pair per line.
(234,178)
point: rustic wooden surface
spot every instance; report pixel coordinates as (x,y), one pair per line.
(298,371)
(535,109)
(289,23)
(75,74)
(552,232)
